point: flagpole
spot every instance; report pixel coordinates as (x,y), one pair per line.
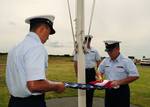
(81,59)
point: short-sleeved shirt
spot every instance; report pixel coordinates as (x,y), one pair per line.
(91,57)
(118,69)
(26,62)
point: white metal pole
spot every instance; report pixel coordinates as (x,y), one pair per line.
(81,59)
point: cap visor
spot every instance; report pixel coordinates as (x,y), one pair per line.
(52,30)
(108,50)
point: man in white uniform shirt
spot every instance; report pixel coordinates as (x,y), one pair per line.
(121,71)
(92,60)
(27,63)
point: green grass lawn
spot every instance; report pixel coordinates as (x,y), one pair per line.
(61,69)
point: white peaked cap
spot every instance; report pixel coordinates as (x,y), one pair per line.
(88,36)
(48,17)
(110,42)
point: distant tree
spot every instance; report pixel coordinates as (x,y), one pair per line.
(131,57)
(3,53)
(67,55)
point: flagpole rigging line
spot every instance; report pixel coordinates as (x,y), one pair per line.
(91,18)
(71,22)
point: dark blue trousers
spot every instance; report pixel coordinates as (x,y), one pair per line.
(118,97)
(90,76)
(31,101)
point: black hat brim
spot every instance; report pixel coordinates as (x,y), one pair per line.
(108,50)
(45,21)
(52,30)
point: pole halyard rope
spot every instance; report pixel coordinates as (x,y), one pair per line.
(91,18)
(73,34)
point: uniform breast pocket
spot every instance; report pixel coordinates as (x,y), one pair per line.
(119,69)
(90,57)
(107,68)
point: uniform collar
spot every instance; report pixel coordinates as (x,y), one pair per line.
(117,59)
(34,36)
(90,49)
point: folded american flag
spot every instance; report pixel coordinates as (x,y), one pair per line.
(104,83)
(91,85)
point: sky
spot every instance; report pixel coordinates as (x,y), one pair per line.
(124,20)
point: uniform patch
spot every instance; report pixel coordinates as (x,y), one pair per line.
(120,67)
(107,66)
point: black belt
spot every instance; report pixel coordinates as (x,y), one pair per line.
(30,101)
(126,86)
(90,68)
(29,97)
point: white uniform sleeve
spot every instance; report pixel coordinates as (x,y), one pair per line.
(101,67)
(98,58)
(131,68)
(75,57)
(35,64)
